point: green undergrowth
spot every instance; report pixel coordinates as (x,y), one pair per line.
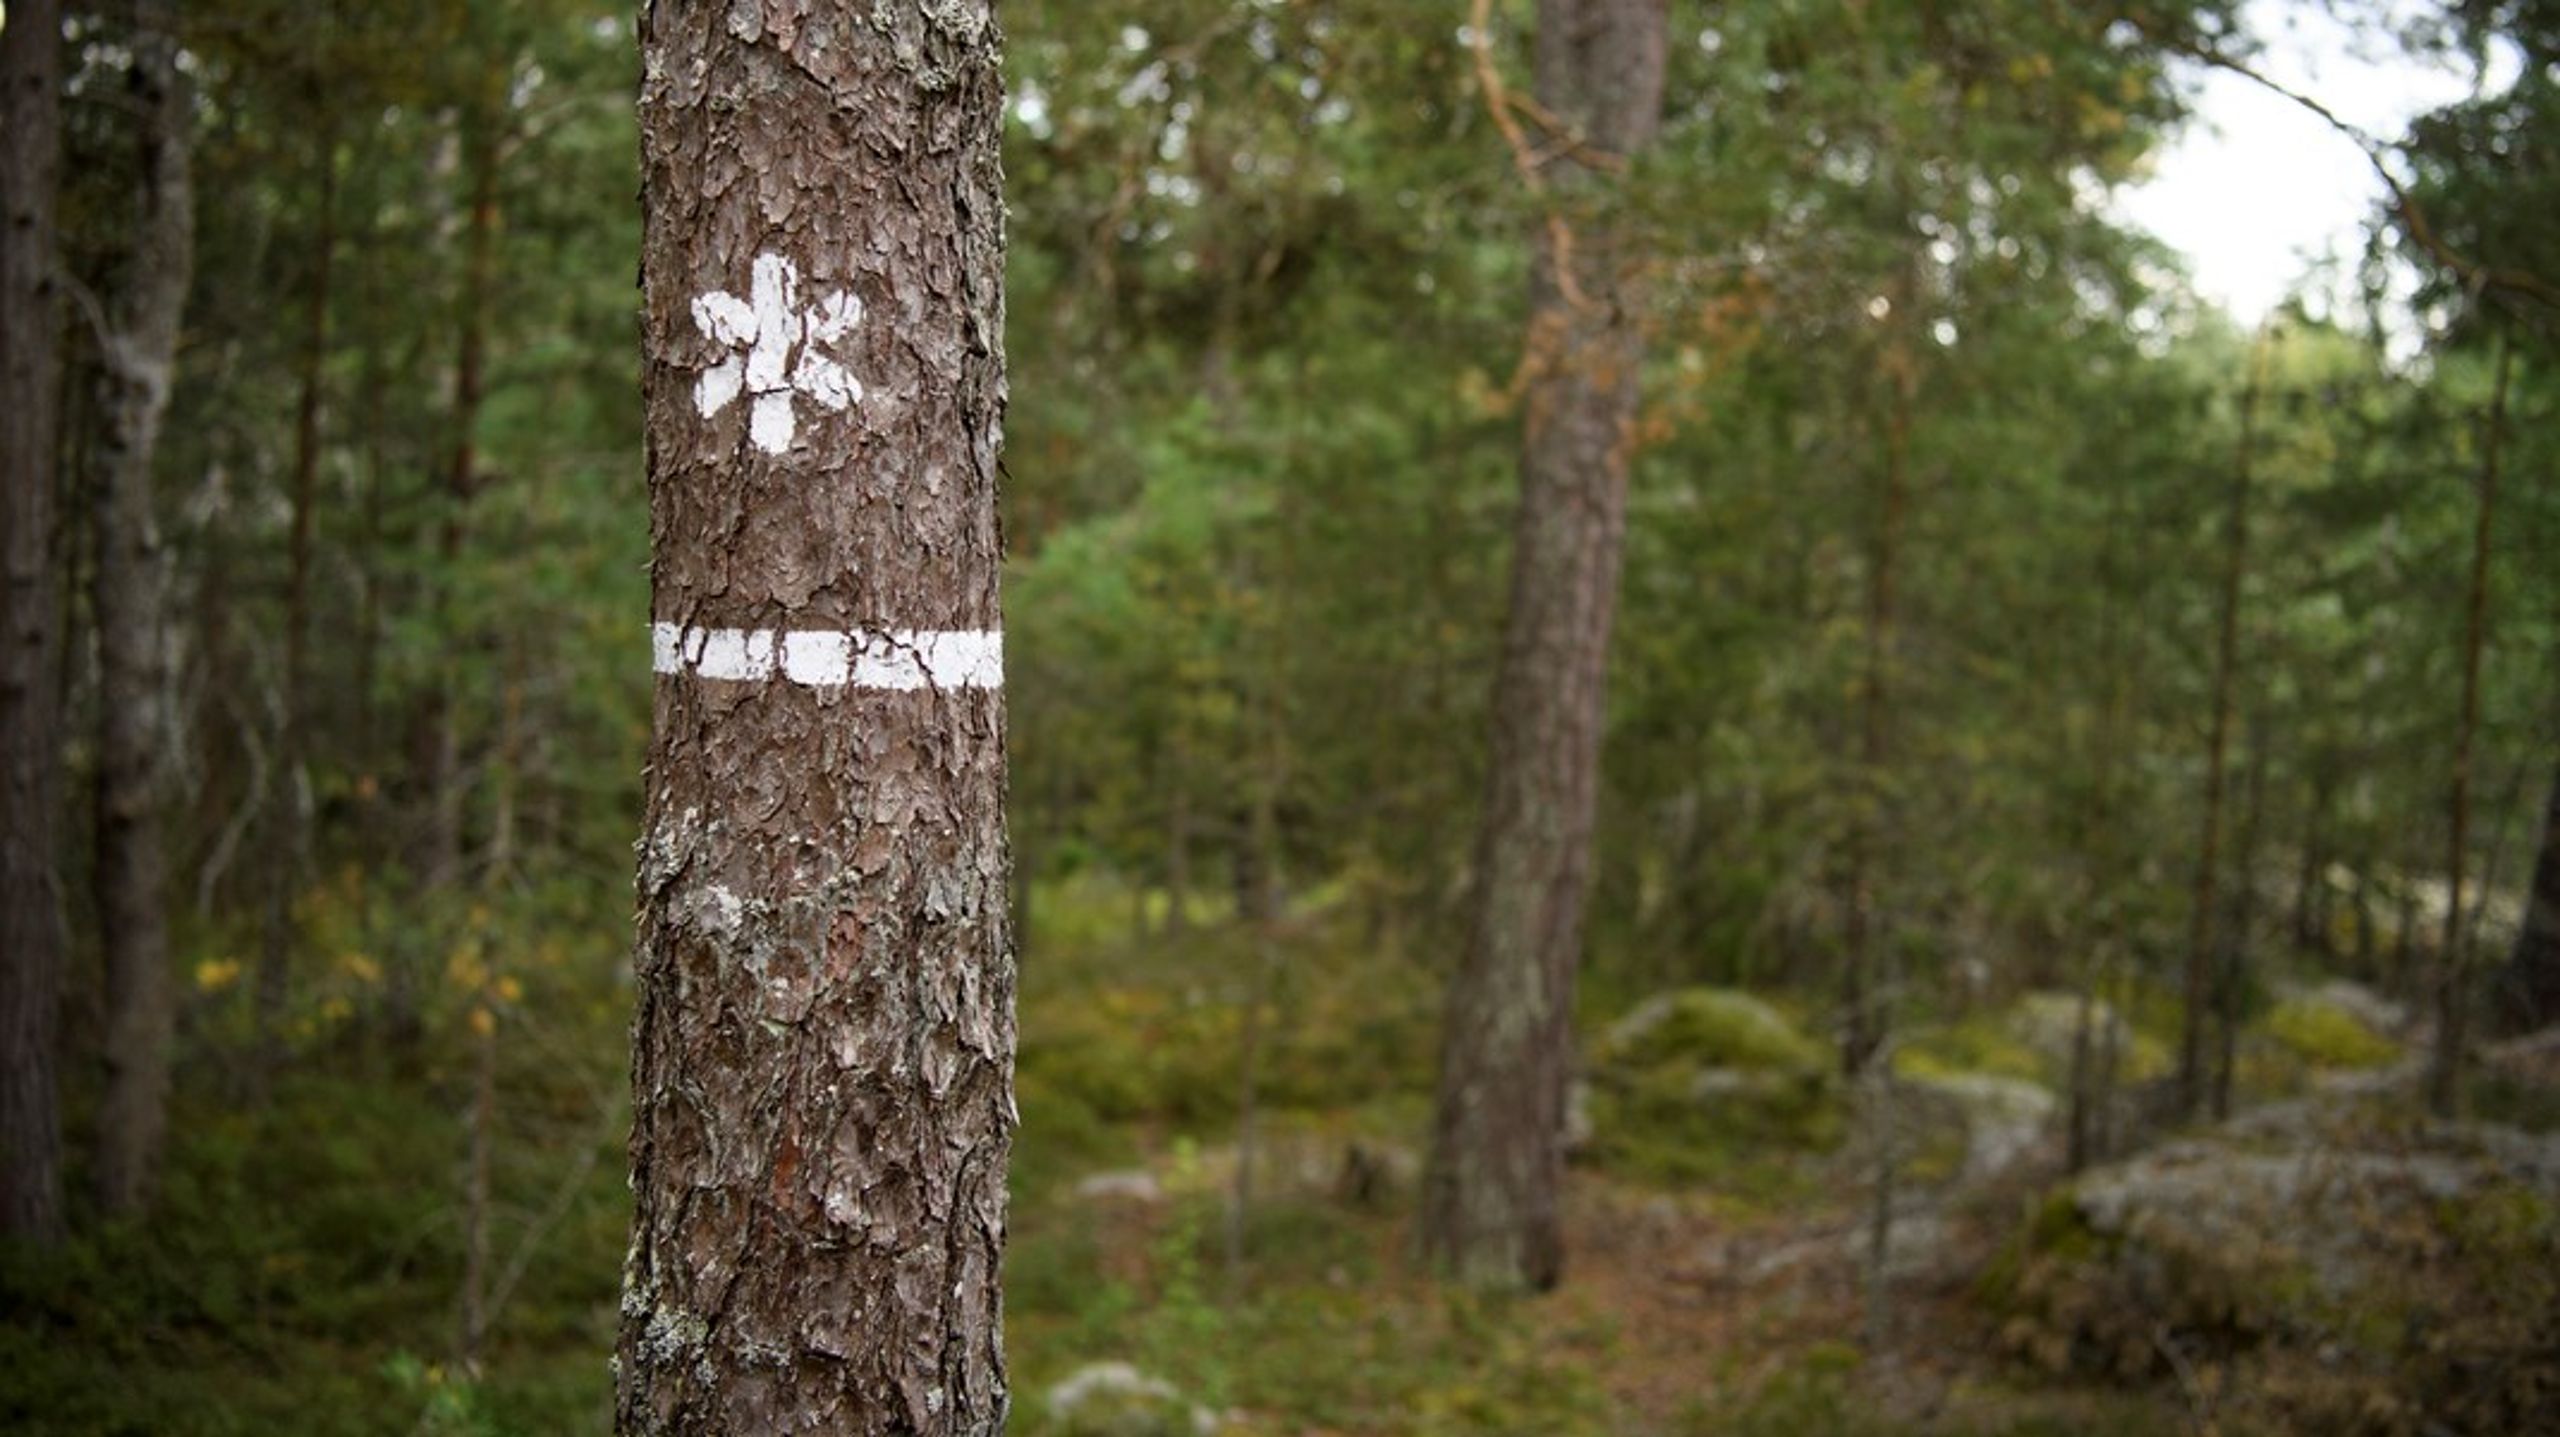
(301,1269)
(303,1279)
(1147,1032)
(1828,1388)
(303,1273)
(1327,1328)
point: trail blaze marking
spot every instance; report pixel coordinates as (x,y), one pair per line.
(834,658)
(764,328)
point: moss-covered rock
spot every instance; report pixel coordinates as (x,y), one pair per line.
(2004,1118)
(1707,1085)
(2049,1023)
(2323,1032)
(1708,1028)
(1114,1399)
(2304,1238)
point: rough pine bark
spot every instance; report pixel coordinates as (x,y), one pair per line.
(130,587)
(1490,1204)
(823,1051)
(30,638)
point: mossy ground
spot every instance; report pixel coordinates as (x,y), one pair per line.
(303,1274)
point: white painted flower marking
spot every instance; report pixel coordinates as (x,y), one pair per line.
(765,328)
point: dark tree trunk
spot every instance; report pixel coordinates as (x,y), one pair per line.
(30,638)
(289,801)
(1177,852)
(2530,987)
(135,372)
(823,1053)
(2231,978)
(482,1144)
(2197,1019)
(1865,996)
(2453,979)
(439,738)
(1490,1213)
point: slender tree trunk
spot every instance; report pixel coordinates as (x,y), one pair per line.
(1490,1206)
(2231,978)
(439,742)
(2098,841)
(1177,852)
(2404,941)
(289,805)
(475,1180)
(130,596)
(30,639)
(2192,1074)
(2452,984)
(2531,985)
(1863,1001)
(823,1054)
(1257,1006)
(1867,1055)
(1262,920)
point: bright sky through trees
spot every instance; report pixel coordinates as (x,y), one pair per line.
(2257,190)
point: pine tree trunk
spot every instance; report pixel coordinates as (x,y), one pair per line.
(1490,1212)
(2453,979)
(2193,1076)
(439,738)
(1865,992)
(2231,977)
(30,640)
(289,802)
(130,591)
(2531,985)
(823,1054)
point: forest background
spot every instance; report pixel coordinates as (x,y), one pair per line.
(1985,592)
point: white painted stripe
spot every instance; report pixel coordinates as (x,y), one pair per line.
(834,658)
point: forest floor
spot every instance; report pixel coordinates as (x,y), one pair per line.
(303,1275)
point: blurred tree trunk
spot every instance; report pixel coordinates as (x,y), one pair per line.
(1177,851)
(2193,1077)
(289,803)
(2231,979)
(2099,842)
(30,639)
(2531,984)
(823,1052)
(135,372)
(1490,1205)
(2452,982)
(1865,997)
(438,740)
